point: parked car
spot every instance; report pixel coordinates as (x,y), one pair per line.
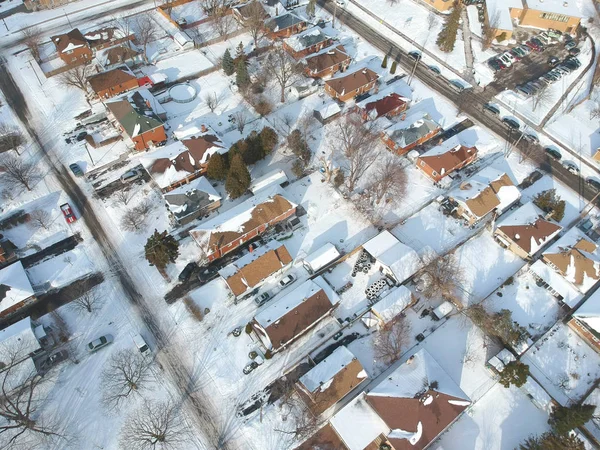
(541,44)
(525,90)
(341,3)
(574,51)
(287,280)
(435,70)
(593,183)
(563,69)
(554,34)
(532,138)
(531,178)
(251,365)
(141,345)
(489,108)
(570,44)
(415,55)
(515,54)
(457,85)
(495,64)
(68,213)
(506,60)
(519,51)
(553,61)
(572,62)
(54,359)
(262,298)
(511,123)
(553,153)
(525,49)
(76,169)
(81,136)
(186,273)
(543,36)
(102,341)
(131,176)
(533,46)
(571,167)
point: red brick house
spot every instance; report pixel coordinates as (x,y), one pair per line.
(412,130)
(244,222)
(442,161)
(346,87)
(112,82)
(72,47)
(284,26)
(384,104)
(306,43)
(327,63)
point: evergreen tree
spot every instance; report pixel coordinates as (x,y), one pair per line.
(514,372)
(217,167)
(564,419)
(268,140)
(227,63)
(447,36)
(393,69)
(551,441)
(242,78)
(161,249)
(310,8)
(238,177)
(384,63)
(239,53)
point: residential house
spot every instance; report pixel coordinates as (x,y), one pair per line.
(289,317)
(245,276)
(389,307)
(385,103)
(113,82)
(182,161)
(138,115)
(346,87)
(18,344)
(555,283)
(488,191)
(119,55)
(15,289)
(394,259)
(414,128)
(441,161)
(307,42)
(525,232)
(284,25)
(242,223)
(191,201)
(331,380)
(72,47)
(106,37)
(406,410)
(327,112)
(269,180)
(327,62)
(586,321)
(245,11)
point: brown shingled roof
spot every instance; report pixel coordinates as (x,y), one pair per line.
(578,259)
(385,105)
(74,37)
(190,160)
(327,59)
(111,78)
(262,267)
(447,162)
(325,439)
(522,235)
(487,199)
(352,81)
(119,54)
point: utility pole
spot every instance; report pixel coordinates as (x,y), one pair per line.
(68,20)
(4,22)
(89,154)
(36,75)
(412,72)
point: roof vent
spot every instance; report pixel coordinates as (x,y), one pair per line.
(517,236)
(465,186)
(410,360)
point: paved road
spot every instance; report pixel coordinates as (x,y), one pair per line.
(201,407)
(470,102)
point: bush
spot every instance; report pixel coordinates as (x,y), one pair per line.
(268,140)
(255,146)
(194,309)
(262,106)
(248,328)
(298,168)
(384,63)
(393,69)
(257,88)
(299,146)
(339,179)
(238,177)
(217,167)
(227,63)
(268,354)
(514,372)
(564,419)
(549,202)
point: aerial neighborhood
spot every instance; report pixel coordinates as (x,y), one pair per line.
(300,224)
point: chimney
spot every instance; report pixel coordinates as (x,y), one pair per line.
(250,248)
(148,104)
(203,128)
(410,360)
(517,236)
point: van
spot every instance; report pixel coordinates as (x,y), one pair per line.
(141,345)
(130,176)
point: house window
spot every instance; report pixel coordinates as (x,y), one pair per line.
(422,163)
(555,17)
(434,173)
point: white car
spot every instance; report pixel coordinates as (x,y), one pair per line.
(141,345)
(509,56)
(571,167)
(341,3)
(102,341)
(505,60)
(287,280)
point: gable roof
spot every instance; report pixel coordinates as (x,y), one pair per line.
(191,197)
(413,127)
(103,36)
(306,39)
(394,302)
(402,260)
(14,286)
(557,282)
(446,162)
(283,22)
(110,78)
(135,114)
(352,81)
(246,9)
(589,312)
(288,317)
(17,342)
(385,105)
(116,55)
(327,58)
(250,270)
(69,41)
(324,439)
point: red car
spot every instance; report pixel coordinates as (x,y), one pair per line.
(533,46)
(68,213)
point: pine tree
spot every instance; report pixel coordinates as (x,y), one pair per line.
(393,69)
(161,249)
(217,167)
(447,36)
(242,78)
(238,177)
(384,63)
(564,419)
(239,53)
(310,8)
(227,63)
(268,140)
(551,441)
(514,372)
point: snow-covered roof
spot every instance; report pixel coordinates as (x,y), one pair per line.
(305,39)
(328,110)
(182,38)
(589,312)
(412,127)
(498,11)
(14,286)
(400,88)
(231,269)
(563,7)
(358,424)
(321,257)
(557,282)
(396,301)
(191,197)
(273,178)
(17,341)
(319,376)
(402,260)
(500,360)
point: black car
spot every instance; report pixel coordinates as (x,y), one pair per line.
(593,183)
(186,273)
(531,178)
(415,55)
(531,138)
(81,136)
(553,61)
(553,153)
(435,70)
(574,51)
(54,359)
(494,64)
(511,123)
(491,109)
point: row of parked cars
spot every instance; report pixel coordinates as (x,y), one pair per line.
(555,74)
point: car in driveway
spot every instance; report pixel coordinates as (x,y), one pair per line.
(574,51)
(99,343)
(511,123)
(531,138)
(287,280)
(415,55)
(553,61)
(54,359)
(434,70)
(76,169)
(68,213)
(491,109)
(187,271)
(262,298)
(571,167)
(531,178)
(495,64)
(593,183)
(130,176)
(552,153)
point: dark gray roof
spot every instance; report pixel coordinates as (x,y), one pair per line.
(282,22)
(134,115)
(184,204)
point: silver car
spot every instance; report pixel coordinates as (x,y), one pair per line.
(102,341)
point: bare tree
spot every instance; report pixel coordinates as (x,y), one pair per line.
(144,208)
(241,119)
(218,11)
(89,299)
(123,196)
(431,23)
(145,33)
(127,374)
(76,78)
(123,24)
(490,29)
(32,40)
(40,218)
(132,221)
(389,180)
(255,21)
(353,141)
(18,172)
(543,97)
(594,113)
(304,422)
(212,101)
(442,275)
(282,68)
(11,138)
(156,425)
(391,340)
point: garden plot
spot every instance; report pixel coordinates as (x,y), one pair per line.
(501,420)
(563,364)
(532,306)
